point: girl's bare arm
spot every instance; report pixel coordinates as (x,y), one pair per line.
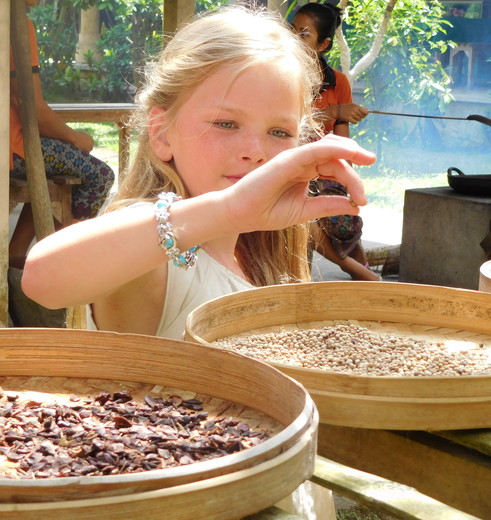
(85,261)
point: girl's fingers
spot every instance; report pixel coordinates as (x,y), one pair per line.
(329,206)
(341,150)
(326,157)
(282,184)
(337,147)
(340,171)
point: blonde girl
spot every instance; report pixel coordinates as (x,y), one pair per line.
(216,199)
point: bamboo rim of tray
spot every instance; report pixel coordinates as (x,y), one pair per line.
(370,401)
(213,320)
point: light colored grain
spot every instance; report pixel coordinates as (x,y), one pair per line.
(352,349)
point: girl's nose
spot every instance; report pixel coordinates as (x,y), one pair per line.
(253,149)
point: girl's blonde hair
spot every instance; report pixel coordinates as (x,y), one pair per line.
(234,35)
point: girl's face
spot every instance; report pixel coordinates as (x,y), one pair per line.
(305,28)
(230,125)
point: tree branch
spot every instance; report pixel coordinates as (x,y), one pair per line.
(374,51)
(344,51)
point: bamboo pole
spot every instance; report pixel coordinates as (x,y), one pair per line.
(36,177)
(4,156)
(176,12)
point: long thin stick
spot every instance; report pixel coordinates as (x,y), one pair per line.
(414,115)
(472,117)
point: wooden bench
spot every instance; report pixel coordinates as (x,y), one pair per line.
(60,193)
(60,188)
(452,467)
(373,492)
(117,113)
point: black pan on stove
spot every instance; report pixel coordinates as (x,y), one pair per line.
(477,185)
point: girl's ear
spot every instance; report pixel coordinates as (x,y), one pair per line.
(324,45)
(157,134)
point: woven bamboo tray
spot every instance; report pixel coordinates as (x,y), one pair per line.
(420,311)
(62,362)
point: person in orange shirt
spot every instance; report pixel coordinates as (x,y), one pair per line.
(336,238)
(65,152)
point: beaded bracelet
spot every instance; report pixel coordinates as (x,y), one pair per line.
(167,239)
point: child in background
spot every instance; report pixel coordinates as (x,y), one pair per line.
(338,238)
(218,164)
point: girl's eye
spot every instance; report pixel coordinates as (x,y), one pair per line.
(227,125)
(279,133)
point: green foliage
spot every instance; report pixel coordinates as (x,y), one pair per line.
(209,5)
(407,73)
(131,31)
(408,69)
(57,39)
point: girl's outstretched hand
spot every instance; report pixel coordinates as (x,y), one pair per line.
(275,195)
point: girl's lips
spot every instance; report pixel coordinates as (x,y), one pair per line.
(234,178)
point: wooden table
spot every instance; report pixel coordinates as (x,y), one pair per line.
(373,492)
(409,475)
(453,467)
(117,113)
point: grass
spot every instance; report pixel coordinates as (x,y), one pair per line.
(407,167)
(105,134)
(106,137)
(386,188)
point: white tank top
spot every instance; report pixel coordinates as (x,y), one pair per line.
(187,289)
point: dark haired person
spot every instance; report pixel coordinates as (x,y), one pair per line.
(337,238)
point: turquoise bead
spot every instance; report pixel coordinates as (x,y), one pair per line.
(169,243)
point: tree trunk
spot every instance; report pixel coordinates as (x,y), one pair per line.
(278,5)
(365,62)
(90,33)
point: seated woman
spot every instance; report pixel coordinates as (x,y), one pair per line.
(65,152)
